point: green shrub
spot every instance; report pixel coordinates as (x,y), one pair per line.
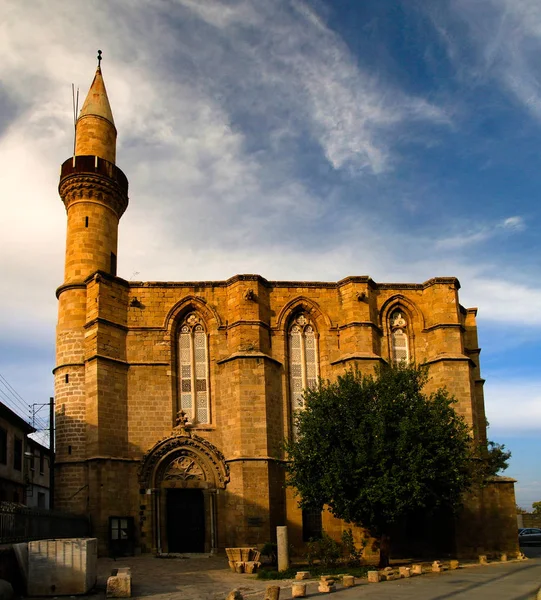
(270,549)
(351,553)
(325,550)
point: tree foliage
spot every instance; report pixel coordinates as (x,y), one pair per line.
(536,508)
(376,448)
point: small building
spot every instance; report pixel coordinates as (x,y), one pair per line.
(38,477)
(14,431)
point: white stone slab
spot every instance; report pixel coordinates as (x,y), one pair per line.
(62,567)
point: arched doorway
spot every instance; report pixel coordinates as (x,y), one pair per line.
(179,478)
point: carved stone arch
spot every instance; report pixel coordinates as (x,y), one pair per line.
(188,458)
(411,320)
(414,314)
(303,304)
(192,304)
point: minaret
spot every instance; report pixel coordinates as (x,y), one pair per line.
(95,193)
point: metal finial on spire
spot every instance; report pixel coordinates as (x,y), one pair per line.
(99,58)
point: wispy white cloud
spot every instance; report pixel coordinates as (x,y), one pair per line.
(481,233)
(502,43)
(309,70)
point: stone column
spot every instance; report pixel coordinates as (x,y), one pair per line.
(283,548)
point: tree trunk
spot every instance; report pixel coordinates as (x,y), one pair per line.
(384,551)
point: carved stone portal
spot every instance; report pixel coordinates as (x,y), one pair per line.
(184,468)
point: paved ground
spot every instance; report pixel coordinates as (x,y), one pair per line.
(210,579)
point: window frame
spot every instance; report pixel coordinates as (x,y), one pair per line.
(303,323)
(3,446)
(190,326)
(17,454)
(398,321)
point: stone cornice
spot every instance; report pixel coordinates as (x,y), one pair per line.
(360,324)
(67,365)
(117,361)
(82,461)
(358,356)
(444,357)
(93,187)
(255,459)
(444,326)
(69,286)
(242,355)
(247,322)
(102,321)
(147,363)
(453,281)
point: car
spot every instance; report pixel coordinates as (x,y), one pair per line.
(529,535)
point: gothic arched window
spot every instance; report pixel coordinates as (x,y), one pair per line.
(193,370)
(399,337)
(303,361)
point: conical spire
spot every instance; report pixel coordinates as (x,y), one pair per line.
(95,131)
(97,102)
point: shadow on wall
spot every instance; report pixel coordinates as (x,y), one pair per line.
(185,496)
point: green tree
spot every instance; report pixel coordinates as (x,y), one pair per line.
(536,508)
(375,449)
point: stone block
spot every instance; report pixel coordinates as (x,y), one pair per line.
(239,567)
(454,564)
(437,567)
(119,584)
(416,569)
(21,554)
(503,557)
(272,592)
(251,566)
(373,577)
(298,590)
(234,595)
(62,567)
(302,575)
(348,581)
(326,587)
(483,559)
(388,574)
(404,572)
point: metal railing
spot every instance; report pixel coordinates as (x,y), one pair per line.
(23,524)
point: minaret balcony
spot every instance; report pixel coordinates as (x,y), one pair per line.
(93,165)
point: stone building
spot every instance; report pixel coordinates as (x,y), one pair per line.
(173,398)
(14,469)
(38,487)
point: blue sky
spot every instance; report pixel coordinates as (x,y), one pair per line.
(298,140)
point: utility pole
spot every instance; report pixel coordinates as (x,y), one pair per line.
(51,450)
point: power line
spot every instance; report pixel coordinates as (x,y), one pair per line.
(12,389)
(18,398)
(16,402)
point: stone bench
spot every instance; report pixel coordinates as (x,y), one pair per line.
(119,584)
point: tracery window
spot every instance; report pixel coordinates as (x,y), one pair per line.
(399,338)
(303,361)
(193,370)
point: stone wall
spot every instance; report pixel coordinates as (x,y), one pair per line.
(529,520)
(125,395)
(487,524)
